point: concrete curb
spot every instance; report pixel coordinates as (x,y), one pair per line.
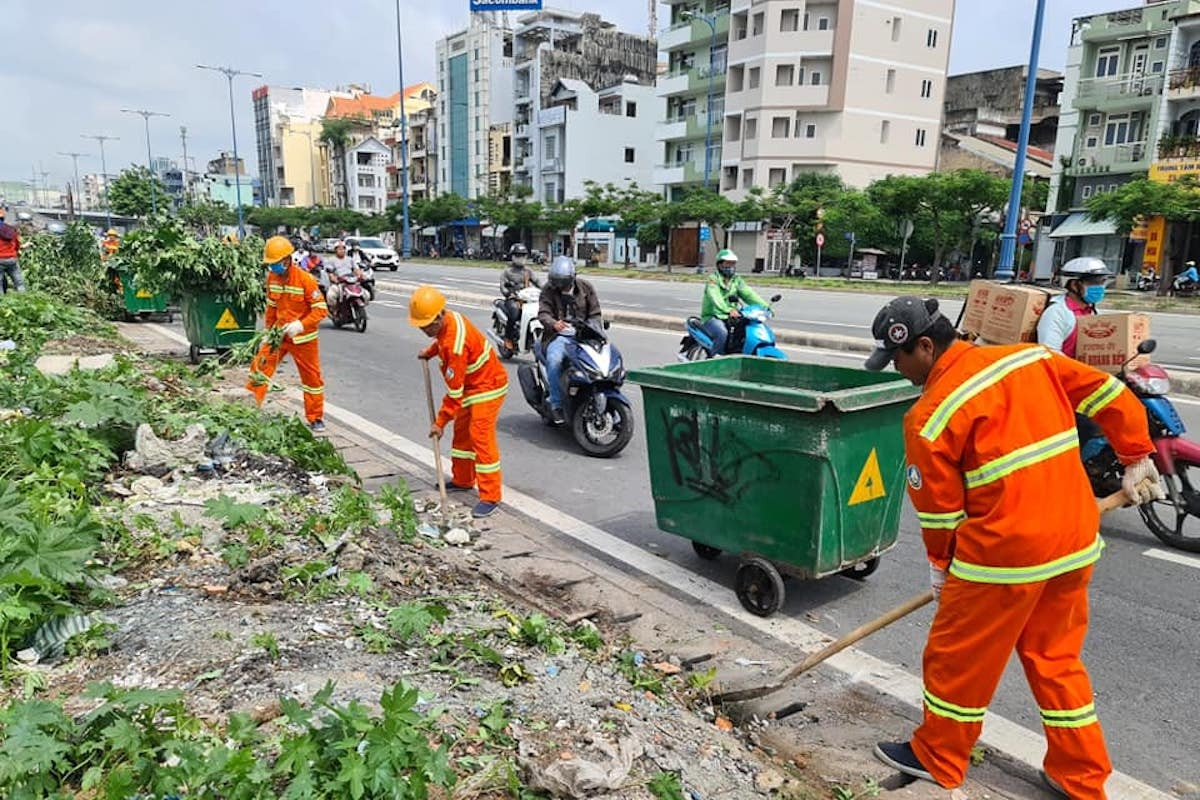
(1181,383)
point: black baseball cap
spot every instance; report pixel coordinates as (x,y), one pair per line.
(899,322)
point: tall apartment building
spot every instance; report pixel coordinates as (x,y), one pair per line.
(474,93)
(551,46)
(1131,105)
(284,120)
(92,191)
(850,87)
(419,108)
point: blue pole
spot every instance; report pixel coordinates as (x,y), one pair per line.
(1008,240)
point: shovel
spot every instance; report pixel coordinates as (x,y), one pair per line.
(1115,500)
(437,442)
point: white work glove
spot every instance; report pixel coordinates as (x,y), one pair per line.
(937,579)
(293,329)
(1137,473)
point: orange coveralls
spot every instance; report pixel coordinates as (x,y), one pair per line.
(1006,507)
(475,387)
(292,296)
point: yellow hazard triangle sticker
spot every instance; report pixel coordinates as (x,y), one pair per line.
(227,322)
(870,482)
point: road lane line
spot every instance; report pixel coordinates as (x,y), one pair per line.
(999,733)
(1173,557)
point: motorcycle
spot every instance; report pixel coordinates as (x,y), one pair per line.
(1174,455)
(529,330)
(352,307)
(1182,287)
(749,335)
(598,413)
(1145,282)
(368,280)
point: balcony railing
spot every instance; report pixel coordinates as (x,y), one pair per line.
(1179,147)
(1181,79)
(1119,158)
(1120,87)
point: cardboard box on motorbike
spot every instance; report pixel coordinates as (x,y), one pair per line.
(1107,341)
(999,313)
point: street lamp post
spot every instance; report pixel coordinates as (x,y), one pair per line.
(405,230)
(231,73)
(711,22)
(103,169)
(78,191)
(1008,240)
(146,115)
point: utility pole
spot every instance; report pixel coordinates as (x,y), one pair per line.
(146,115)
(45,185)
(187,183)
(405,232)
(230,73)
(34,184)
(78,189)
(103,169)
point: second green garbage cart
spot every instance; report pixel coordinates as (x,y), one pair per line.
(216,322)
(796,468)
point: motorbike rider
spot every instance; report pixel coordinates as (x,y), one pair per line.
(338,268)
(723,293)
(564,301)
(1189,277)
(517,276)
(1085,284)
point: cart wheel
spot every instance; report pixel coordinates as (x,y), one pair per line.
(194,353)
(759,587)
(706,552)
(862,569)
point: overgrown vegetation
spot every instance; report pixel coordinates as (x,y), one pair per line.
(67,267)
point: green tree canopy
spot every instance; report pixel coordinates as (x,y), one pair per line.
(133,193)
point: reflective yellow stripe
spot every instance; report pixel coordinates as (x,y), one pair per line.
(1038,572)
(1073,718)
(312,389)
(487,469)
(460,333)
(1098,400)
(270,303)
(304,337)
(320,304)
(484,397)
(942,522)
(275,288)
(294,290)
(1022,457)
(483,359)
(462,454)
(455,393)
(944,708)
(980,381)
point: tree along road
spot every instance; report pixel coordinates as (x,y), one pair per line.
(1142,650)
(840,313)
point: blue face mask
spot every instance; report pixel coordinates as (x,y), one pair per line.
(1092,295)
(278,268)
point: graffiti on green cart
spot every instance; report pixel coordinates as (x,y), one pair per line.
(713,461)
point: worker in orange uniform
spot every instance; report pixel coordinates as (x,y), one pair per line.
(1011,530)
(296,304)
(110,243)
(475,387)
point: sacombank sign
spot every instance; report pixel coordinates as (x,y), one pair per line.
(506,5)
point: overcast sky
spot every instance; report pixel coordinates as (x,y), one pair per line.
(69,67)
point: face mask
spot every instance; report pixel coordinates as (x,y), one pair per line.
(1093,295)
(727,271)
(278,268)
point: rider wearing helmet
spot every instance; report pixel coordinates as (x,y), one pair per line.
(517,276)
(565,300)
(1085,284)
(723,293)
(1188,277)
(338,268)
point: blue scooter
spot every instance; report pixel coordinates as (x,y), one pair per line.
(749,335)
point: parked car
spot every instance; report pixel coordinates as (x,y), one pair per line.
(327,245)
(378,254)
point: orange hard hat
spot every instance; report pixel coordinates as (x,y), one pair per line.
(277,249)
(425,305)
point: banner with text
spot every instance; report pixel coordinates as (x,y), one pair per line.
(506,5)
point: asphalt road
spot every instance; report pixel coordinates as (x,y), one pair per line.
(841,313)
(1143,649)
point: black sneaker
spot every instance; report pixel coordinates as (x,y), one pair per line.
(484,509)
(1053,786)
(900,755)
(317,426)
(451,486)
(559,416)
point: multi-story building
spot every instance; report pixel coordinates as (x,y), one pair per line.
(361,175)
(92,191)
(278,112)
(849,87)
(223,188)
(499,159)
(302,169)
(606,136)
(474,93)
(553,45)
(1120,115)
(225,164)
(419,105)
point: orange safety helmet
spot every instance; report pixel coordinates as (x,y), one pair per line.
(425,305)
(277,249)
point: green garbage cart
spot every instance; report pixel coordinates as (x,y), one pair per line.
(214,322)
(796,468)
(141,303)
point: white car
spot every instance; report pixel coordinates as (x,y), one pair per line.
(377,254)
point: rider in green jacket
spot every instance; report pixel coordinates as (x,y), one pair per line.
(724,293)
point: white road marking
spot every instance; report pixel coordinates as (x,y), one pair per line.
(1184,401)
(1002,734)
(1173,557)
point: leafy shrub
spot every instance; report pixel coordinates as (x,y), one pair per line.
(68,267)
